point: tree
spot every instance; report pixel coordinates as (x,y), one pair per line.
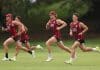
(35,15)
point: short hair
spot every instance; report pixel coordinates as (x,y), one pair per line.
(76,14)
(9,15)
(53,13)
(19,17)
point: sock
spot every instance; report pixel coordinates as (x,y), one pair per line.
(30,52)
(49,55)
(6,55)
(71,59)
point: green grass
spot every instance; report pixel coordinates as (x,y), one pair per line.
(85,61)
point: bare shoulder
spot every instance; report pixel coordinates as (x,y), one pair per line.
(13,21)
(59,20)
(16,22)
(81,23)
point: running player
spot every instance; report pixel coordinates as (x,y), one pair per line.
(24,39)
(77,31)
(55,25)
(15,29)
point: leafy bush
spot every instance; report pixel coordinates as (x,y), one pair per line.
(35,15)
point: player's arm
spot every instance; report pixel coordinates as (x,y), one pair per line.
(62,23)
(4,29)
(47,25)
(26,29)
(21,28)
(70,32)
(85,28)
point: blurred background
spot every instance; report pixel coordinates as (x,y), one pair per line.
(34,14)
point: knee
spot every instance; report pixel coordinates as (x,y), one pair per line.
(72,48)
(17,48)
(4,44)
(47,44)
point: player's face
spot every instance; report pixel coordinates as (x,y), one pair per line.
(52,17)
(8,18)
(75,18)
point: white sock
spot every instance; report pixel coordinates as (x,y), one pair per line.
(71,59)
(49,55)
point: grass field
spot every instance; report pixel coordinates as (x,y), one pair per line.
(85,61)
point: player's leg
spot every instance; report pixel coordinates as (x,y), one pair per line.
(16,54)
(5,46)
(73,52)
(62,46)
(17,50)
(18,47)
(28,46)
(88,49)
(19,44)
(48,45)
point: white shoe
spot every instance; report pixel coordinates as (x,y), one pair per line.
(97,49)
(49,59)
(13,59)
(39,47)
(5,59)
(33,54)
(68,62)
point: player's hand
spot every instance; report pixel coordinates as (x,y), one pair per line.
(80,33)
(70,33)
(12,36)
(3,29)
(47,28)
(58,28)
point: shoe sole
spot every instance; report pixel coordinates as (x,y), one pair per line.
(67,63)
(48,61)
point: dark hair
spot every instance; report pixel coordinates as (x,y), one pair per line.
(76,14)
(20,18)
(53,13)
(9,15)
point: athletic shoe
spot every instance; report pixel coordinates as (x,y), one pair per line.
(49,59)
(97,49)
(39,47)
(13,59)
(5,59)
(68,62)
(33,54)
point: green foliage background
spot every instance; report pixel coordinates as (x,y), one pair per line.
(35,15)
